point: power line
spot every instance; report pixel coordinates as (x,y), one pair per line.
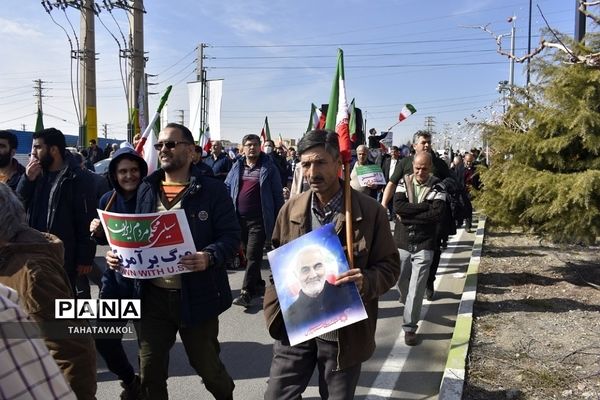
(356,55)
(369,66)
(454,40)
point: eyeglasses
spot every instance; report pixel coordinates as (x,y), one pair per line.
(168,144)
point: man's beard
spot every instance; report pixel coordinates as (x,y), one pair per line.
(5,160)
(46,161)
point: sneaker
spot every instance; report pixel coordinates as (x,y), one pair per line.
(429,294)
(133,390)
(410,338)
(244,299)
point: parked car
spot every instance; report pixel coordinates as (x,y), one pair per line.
(102,166)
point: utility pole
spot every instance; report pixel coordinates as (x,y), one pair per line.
(201,77)
(87,63)
(579,23)
(137,64)
(181,116)
(23,127)
(39,96)
(105,129)
(429,124)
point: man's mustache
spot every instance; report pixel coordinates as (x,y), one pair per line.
(316,179)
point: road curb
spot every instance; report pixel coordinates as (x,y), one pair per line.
(453,379)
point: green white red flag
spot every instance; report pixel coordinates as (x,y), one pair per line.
(265,133)
(407,111)
(313,121)
(337,113)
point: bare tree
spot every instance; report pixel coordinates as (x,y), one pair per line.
(591,60)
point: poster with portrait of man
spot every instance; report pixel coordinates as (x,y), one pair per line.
(304,272)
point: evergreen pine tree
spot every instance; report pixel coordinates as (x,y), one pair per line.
(545,170)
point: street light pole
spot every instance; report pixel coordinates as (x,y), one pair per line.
(511,75)
(529,47)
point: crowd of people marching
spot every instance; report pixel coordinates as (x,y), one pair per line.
(238,203)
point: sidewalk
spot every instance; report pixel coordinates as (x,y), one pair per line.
(397,371)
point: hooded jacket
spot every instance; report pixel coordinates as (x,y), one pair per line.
(31,264)
(71,208)
(115,285)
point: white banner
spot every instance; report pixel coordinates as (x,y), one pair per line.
(215,97)
(195,96)
(149,245)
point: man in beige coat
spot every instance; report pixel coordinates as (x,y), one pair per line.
(31,263)
(338,355)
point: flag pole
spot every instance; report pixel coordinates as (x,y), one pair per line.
(163,100)
(348,207)
(390,128)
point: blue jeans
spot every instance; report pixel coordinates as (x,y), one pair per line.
(414,270)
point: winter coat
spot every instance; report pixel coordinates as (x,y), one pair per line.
(374,253)
(115,285)
(32,264)
(19,170)
(418,227)
(271,192)
(71,208)
(214,227)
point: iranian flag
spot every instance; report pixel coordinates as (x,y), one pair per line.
(265,133)
(407,111)
(313,122)
(205,141)
(337,113)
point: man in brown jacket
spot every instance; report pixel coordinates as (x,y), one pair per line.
(31,263)
(338,354)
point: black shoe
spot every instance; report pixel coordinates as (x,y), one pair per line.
(244,299)
(429,294)
(132,390)
(410,338)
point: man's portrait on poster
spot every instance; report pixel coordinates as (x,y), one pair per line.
(305,272)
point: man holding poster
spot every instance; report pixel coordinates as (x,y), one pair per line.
(337,354)
(190,303)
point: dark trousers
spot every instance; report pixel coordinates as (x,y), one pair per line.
(160,322)
(253,243)
(435,263)
(82,282)
(293,366)
(111,350)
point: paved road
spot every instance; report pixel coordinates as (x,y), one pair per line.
(395,371)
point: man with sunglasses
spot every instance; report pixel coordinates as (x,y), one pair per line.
(189,303)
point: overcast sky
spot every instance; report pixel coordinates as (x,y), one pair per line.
(278,57)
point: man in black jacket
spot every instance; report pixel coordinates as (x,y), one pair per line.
(419,201)
(439,169)
(189,303)
(10,169)
(58,200)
